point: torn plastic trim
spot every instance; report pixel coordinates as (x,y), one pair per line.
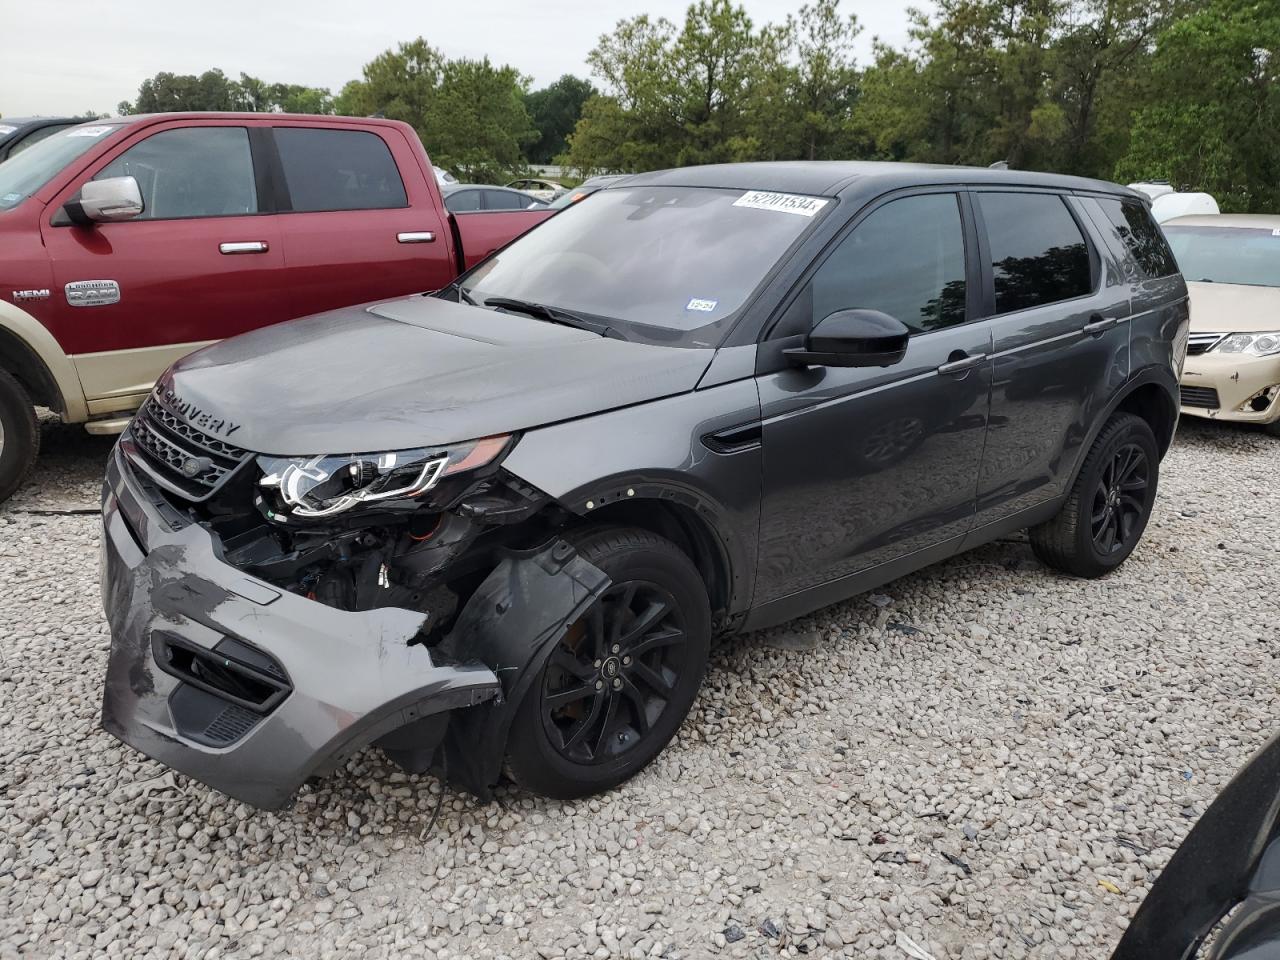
(355,676)
(512,623)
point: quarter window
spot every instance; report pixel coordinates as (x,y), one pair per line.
(191,172)
(905,259)
(1038,254)
(506,200)
(338,170)
(1136,227)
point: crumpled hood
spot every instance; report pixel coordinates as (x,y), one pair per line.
(414,372)
(1233,308)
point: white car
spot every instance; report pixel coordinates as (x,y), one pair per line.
(1231,263)
(544,190)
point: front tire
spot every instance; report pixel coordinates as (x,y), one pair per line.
(1109,504)
(622,679)
(19,435)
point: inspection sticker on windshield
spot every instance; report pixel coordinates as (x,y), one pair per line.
(87,131)
(702,306)
(783,202)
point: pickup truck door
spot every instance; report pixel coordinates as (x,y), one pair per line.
(360,221)
(484,231)
(201,262)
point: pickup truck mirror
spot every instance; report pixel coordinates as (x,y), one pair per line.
(852,338)
(106,201)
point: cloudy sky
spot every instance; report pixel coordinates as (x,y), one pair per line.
(72,56)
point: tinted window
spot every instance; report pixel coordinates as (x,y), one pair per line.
(506,200)
(1225,254)
(905,259)
(462,201)
(1038,254)
(1136,227)
(193,172)
(338,170)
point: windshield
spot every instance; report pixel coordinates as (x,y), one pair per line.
(26,172)
(665,264)
(1224,254)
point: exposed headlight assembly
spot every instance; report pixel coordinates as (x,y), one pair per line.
(1252,344)
(326,485)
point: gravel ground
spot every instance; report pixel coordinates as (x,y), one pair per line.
(983,760)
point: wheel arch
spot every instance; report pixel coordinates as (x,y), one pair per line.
(1150,394)
(691,529)
(30,353)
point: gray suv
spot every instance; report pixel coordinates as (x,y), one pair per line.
(496,528)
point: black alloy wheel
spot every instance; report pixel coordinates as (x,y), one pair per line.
(617,685)
(1121,500)
(614,673)
(1109,503)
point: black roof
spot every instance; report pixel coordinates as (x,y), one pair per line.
(835,177)
(37,121)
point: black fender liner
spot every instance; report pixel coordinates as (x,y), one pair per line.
(511,624)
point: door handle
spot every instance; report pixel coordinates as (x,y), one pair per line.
(962,364)
(244,246)
(1099,324)
(416,236)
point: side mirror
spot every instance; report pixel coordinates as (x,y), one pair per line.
(852,338)
(106,201)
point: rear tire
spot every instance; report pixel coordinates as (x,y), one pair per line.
(19,435)
(1109,504)
(622,679)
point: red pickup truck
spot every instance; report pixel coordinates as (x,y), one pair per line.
(127,243)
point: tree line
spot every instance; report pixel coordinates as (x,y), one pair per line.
(1180,90)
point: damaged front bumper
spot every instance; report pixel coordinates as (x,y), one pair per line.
(252,689)
(1234,387)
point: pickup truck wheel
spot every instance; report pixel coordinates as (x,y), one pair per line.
(1109,504)
(19,435)
(622,679)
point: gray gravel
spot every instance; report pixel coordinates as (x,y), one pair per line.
(984,760)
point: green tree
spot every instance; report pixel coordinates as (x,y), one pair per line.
(469,113)
(825,80)
(555,110)
(213,90)
(1212,107)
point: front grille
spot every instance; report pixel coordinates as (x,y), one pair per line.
(1199,343)
(1206,397)
(183,458)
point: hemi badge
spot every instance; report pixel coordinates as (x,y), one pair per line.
(20,295)
(93,293)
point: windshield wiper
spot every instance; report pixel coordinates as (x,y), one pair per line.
(551,314)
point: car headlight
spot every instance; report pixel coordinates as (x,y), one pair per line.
(326,485)
(1253,344)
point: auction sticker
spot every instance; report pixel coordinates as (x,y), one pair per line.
(87,131)
(6,129)
(783,202)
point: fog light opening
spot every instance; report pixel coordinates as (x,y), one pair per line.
(1261,401)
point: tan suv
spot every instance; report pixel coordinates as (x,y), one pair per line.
(1232,267)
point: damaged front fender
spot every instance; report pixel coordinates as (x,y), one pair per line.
(512,624)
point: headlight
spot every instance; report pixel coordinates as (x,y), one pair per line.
(1254,344)
(326,485)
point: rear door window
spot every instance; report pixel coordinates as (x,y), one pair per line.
(506,200)
(1038,254)
(1138,229)
(338,170)
(190,172)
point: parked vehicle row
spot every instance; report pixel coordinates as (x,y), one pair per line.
(22,133)
(127,243)
(496,528)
